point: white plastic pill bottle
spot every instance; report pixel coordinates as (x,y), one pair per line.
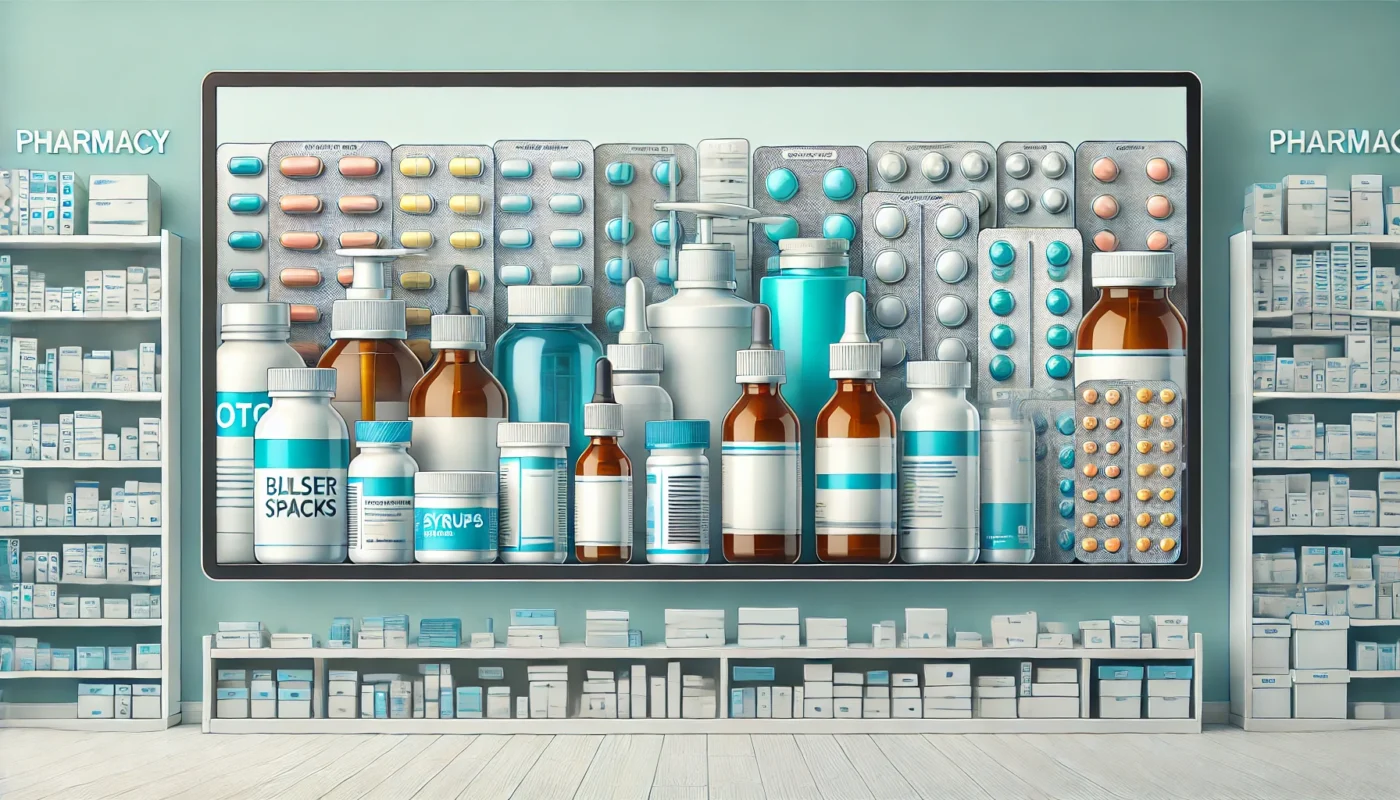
(939,466)
(534,487)
(455,517)
(678,492)
(301,459)
(1007,453)
(380,494)
(254,340)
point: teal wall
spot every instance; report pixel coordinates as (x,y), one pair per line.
(1263,65)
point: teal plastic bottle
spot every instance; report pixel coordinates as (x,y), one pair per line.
(807,295)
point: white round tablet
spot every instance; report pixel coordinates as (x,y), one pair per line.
(890,311)
(891,167)
(890,221)
(982,201)
(1017,165)
(951,311)
(1053,165)
(890,266)
(892,352)
(934,166)
(1054,200)
(951,349)
(1017,201)
(973,166)
(951,266)
(951,222)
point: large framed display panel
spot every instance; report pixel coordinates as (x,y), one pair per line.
(1046,170)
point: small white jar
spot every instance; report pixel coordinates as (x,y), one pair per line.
(534,492)
(454,517)
(381,494)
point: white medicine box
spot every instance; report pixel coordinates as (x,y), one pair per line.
(1271,649)
(1271,697)
(1320,649)
(1320,694)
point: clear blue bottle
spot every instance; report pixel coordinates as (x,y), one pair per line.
(807,295)
(545,360)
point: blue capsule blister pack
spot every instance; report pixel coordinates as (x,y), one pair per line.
(630,236)
(1035,185)
(1003,313)
(1055,424)
(444,204)
(818,189)
(544,215)
(241,223)
(938,167)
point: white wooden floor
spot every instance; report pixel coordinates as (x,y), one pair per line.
(1222,764)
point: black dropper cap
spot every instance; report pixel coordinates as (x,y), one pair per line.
(457,291)
(603,382)
(762,328)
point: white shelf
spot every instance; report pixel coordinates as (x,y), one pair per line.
(81,623)
(1329,464)
(94,725)
(579,652)
(81,242)
(1375,673)
(1342,531)
(115,397)
(1313,725)
(1393,397)
(74,316)
(698,726)
(1374,623)
(1296,240)
(1289,333)
(103,582)
(10,533)
(81,674)
(94,464)
(1288,315)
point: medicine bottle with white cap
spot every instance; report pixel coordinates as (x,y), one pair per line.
(939,468)
(301,455)
(1134,331)
(856,508)
(534,481)
(603,480)
(380,494)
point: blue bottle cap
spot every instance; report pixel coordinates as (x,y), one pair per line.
(388,431)
(678,434)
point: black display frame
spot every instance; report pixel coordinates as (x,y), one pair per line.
(1186,568)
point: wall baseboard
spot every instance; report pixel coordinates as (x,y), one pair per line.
(191,713)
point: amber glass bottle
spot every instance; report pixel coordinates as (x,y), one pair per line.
(1134,331)
(603,480)
(761,458)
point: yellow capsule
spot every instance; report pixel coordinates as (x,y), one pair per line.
(1091,423)
(465,167)
(1168,544)
(1112,396)
(1144,544)
(1143,470)
(1166,495)
(1167,470)
(465,240)
(1113,545)
(1144,447)
(468,204)
(416,204)
(1090,470)
(1112,470)
(1144,421)
(421,348)
(1112,448)
(1089,545)
(1112,495)
(416,281)
(416,239)
(1090,495)
(1167,395)
(1144,519)
(1144,495)
(473,281)
(416,166)
(1167,519)
(1090,520)
(1091,396)
(417,315)
(1112,520)
(1091,447)
(1144,395)
(1113,423)
(1168,420)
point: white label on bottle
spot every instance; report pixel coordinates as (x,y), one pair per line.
(300,494)
(1131,365)
(381,512)
(856,487)
(762,491)
(938,474)
(455,444)
(602,510)
(534,504)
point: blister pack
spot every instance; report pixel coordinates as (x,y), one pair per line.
(819,190)
(938,167)
(1003,312)
(921,282)
(1102,468)
(241,223)
(1055,424)
(630,237)
(1158,436)
(323,196)
(725,178)
(544,215)
(1035,185)
(443,203)
(1133,196)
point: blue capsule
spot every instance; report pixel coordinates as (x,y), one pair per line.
(514,275)
(1057,302)
(1058,367)
(1065,540)
(566,275)
(515,238)
(568,169)
(661,232)
(1001,367)
(665,275)
(1066,508)
(245,240)
(1001,253)
(246,166)
(245,279)
(1002,336)
(245,203)
(838,226)
(619,230)
(838,184)
(615,318)
(662,172)
(1067,487)
(1067,457)
(1001,302)
(1058,336)
(515,203)
(1065,424)
(620,173)
(1057,254)
(567,239)
(781,184)
(566,203)
(517,168)
(787,229)
(617,271)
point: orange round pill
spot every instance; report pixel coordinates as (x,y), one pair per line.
(1105,169)
(359,166)
(1144,395)
(1168,544)
(1159,207)
(304,313)
(1105,206)
(1091,423)
(1144,519)
(1167,395)
(1113,396)
(1089,544)
(300,277)
(1090,470)
(1158,240)
(1168,421)
(1090,495)
(1166,495)
(1091,396)
(1113,545)
(1144,544)
(1091,447)
(1143,470)
(1167,470)
(1105,241)
(1114,423)
(1158,170)
(1144,447)
(1167,519)
(1112,448)
(1112,520)
(1090,520)
(1168,446)
(1113,495)
(1144,495)
(1112,470)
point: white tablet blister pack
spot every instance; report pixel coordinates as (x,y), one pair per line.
(241,223)
(1035,185)
(819,191)
(938,167)
(630,236)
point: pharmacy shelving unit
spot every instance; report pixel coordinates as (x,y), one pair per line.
(1248,327)
(714,661)
(66,257)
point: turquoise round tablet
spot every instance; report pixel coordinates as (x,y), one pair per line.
(661,232)
(620,230)
(1057,253)
(781,184)
(1058,336)
(787,229)
(664,273)
(1001,367)
(1067,487)
(1057,366)
(620,173)
(1002,336)
(838,184)
(1066,508)
(1001,253)
(1057,302)
(838,226)
(664,174)
(615,318)
(1067,457)
(1066,540)
(1057,274)
(615,271)
(1001,302)
(1065,424)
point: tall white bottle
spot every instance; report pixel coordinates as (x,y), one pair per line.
(703,325)
(637,369)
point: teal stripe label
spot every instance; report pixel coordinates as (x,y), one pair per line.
(302,454)
(941,443)
(384,487)
(454,529)
(237,413)
(869,480)
(536,462)
(1007,526)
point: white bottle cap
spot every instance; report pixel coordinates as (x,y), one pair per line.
(367,312)
(566,304)
(635,351)
(532,434)
(813,253)
(602,419)
(301,381)
(458,332)
(938,375)
(256,320)
(760,363)
(1153,268)
(456,483)
(855,356)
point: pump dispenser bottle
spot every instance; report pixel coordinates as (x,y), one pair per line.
(375,370)
(456,407)
(636,367)
(603,480)
(703,325)
(856,508)
(761,458)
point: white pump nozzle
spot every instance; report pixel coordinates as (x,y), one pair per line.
(855,319)
(855,356)
(634,325)
(707,213)
(704,262)
(371,266)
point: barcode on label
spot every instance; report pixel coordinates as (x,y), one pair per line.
(686,520)
(505,512)
(561,507)
(352,501)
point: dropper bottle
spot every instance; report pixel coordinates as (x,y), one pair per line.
(375,370)
(761,458)
(456,407)
(637,363)
(603,480)
(857,505)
